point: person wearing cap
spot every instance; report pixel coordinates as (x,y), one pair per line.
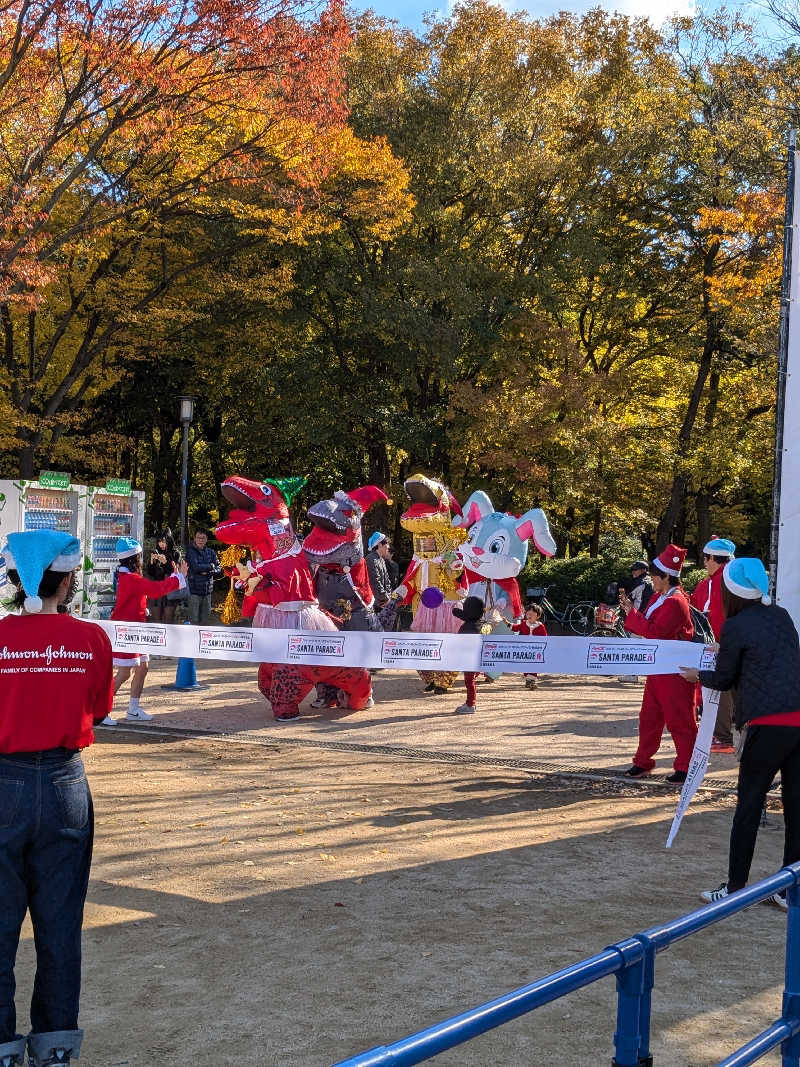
(668,699)
(55,683)
(377,555)
(707,597)
(640,588)
(759,656)
(133,591)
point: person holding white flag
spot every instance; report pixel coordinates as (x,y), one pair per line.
(759,656)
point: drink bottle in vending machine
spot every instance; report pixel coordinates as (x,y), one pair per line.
(51,502)
(109,516)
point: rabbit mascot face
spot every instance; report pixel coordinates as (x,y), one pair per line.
(496,550)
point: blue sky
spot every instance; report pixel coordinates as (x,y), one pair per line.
(410,12)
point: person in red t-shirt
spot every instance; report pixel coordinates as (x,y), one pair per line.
(668,699)
(531,625)
(133,592)
(55,684)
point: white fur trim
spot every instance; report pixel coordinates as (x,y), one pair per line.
(746,592)
(666,570)
(33,605)
(181,579)
(66,563)
(129,554)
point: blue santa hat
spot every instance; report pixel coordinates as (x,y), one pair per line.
(127,546)
(720,546)
(31,553)
(375,539)
(747,578)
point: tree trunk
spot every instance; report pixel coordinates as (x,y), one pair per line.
(594,540)
(680,482)
(702,505)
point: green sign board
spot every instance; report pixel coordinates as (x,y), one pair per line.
(54,480)
(119,486)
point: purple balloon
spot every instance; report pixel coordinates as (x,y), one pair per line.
(432,597)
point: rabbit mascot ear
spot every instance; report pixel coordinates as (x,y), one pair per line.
(477,507)
(533,525)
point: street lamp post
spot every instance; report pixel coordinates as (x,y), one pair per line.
(186,414)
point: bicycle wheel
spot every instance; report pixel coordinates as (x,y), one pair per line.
(581,618)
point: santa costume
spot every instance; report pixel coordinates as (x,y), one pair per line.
(668,699)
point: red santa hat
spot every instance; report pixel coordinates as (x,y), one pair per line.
(367,495)
(671,560)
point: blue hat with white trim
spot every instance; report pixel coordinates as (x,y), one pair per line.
(127,546)
(375,539)
(33,552)
(720,546)
(747,578)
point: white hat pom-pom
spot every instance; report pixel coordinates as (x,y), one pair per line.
(33,604)
(766,600)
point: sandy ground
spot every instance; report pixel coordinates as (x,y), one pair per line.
(277,900)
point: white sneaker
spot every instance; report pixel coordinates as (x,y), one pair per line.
(137,714)
(464,709)
(318,702)
(711,896)
(107,721)
(777,901)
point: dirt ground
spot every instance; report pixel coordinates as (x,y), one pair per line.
(297,894)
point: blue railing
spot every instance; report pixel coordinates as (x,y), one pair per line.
(633,963)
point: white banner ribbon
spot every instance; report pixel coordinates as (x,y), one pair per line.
(698,764)
(411,651)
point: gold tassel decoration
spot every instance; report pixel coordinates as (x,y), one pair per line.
(231,612)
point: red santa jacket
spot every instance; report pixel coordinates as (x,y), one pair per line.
(666,618)
(133,592)
(707,598)
(539,630)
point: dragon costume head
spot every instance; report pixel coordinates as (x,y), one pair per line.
(428,520)
(259,515)
(336,536)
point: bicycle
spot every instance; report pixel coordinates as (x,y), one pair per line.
(578,617)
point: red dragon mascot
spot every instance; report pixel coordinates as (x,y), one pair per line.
(279,592)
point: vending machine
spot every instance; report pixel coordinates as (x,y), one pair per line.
(51,502)
(112,511)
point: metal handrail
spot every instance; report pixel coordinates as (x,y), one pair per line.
(633,963)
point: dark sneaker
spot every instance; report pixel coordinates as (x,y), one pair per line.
(438,690)
(636,772)
(429,688)
(676,778)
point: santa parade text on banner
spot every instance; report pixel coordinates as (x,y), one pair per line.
(412,651)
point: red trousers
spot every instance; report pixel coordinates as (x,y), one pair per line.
(668,701)
(285,685)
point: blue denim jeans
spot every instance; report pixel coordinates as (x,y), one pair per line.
(46,833)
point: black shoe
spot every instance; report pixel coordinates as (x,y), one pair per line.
(439,689)
(429,688)
(676,778)
(636,772)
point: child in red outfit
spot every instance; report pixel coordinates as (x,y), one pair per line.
(531,626)
(133,592)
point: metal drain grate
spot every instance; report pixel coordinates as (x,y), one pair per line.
(540,768)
